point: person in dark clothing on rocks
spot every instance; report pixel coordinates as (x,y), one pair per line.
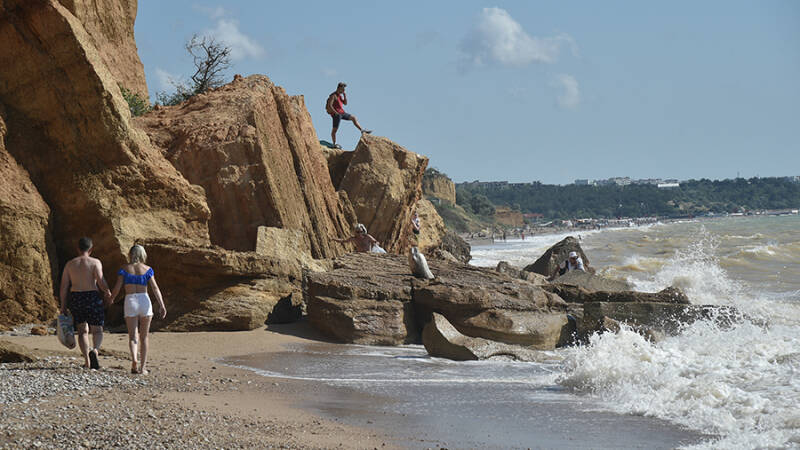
(335,107)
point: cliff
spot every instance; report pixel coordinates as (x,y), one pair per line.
(439,185)
(194,183)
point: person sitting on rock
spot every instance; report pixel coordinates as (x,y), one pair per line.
(136,277)
(335,107)
(363,241)
(573,262)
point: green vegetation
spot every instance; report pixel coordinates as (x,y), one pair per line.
(137,104)
(693,197)
(458,219)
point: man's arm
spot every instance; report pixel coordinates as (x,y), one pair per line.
(344,98)
(101,282)
(64,290)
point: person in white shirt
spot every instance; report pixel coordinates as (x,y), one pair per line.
(573,262)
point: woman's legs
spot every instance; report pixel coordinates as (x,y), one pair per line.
(132,324)
(144,335)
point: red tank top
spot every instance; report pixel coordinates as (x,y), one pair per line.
(338,104)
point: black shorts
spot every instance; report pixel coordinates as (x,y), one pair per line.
(339,117)
(87,306)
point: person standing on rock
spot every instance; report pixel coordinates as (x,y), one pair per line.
(80,281)
(335,107)
(364,241)
(136,277)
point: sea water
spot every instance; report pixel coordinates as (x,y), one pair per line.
(708,387)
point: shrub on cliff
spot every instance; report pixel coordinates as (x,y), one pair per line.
(137,104)
(211,59)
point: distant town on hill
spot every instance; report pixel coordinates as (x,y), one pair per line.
(622,197)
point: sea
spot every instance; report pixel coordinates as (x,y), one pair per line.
(709,387)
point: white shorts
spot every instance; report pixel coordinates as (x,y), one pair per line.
(138,305)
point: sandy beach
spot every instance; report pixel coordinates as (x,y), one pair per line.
(188,400)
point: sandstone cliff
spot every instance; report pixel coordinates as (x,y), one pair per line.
(254,150)
(439,185)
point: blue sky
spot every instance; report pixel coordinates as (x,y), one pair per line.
(524,91)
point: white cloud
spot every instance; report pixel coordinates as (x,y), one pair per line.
(212,12)
(242,46)
(165,79)
(328,72)
(570,94)
(497,38)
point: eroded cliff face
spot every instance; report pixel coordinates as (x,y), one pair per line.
(440,186)
(254,150)
(26,291)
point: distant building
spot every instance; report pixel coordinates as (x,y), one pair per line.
(668,185)
(583,182)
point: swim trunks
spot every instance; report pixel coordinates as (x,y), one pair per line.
(138,305)
(87,306)
(338,117)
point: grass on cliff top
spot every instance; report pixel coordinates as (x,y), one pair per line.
(458,219)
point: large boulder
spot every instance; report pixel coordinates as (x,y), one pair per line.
(442,339)
(338,160)
(26,287)
(515,272)
(555,255)
(432,228)
(483,303)
(383,182)
(254,150)
(438,185)
(455,245)
(576,294)
(366,299)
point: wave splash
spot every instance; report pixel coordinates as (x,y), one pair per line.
(738,383)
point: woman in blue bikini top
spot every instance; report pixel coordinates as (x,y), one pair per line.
(136,277)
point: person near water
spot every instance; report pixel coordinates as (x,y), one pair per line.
(80,281)
(335,107)
(363,241)
(573,262)
(136,277)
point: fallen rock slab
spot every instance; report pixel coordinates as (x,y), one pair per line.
(443,340)
(576,294)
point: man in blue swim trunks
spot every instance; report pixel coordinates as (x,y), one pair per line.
(335,107)
(82,277)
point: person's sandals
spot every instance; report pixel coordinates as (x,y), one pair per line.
(336,146)
(366,131)
(93,362)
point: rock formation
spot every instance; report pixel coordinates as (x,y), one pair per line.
(26,289)
(254,150)
(507,216)
(514,272)
(432,229)
(442,339)
(383,182)
(453,244)
(438,185)
(555,255)
(374,299)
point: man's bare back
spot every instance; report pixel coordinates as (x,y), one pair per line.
(84,273)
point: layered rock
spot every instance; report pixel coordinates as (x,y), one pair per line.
(254,150)
(26,289)
(383,182)
(515,272)
(70,128)
(453,244)
(574,282)
(509,217)
(555,255)
(438,185)
(374,299)
(366,299)
(442,339)
(432,228)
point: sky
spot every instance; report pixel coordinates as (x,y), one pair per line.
(523,90)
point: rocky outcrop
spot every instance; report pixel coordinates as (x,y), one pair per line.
(442,339)
(109,24)
(338,160)
(69,127)
(514,272)
(438,185)
(26,289)
(254,150)
(589,282)
(432,228)
(453,244)
(13,353)
(555,255)
(652,319)
(575,294)
(366,299)
(383,182)
(374,299)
